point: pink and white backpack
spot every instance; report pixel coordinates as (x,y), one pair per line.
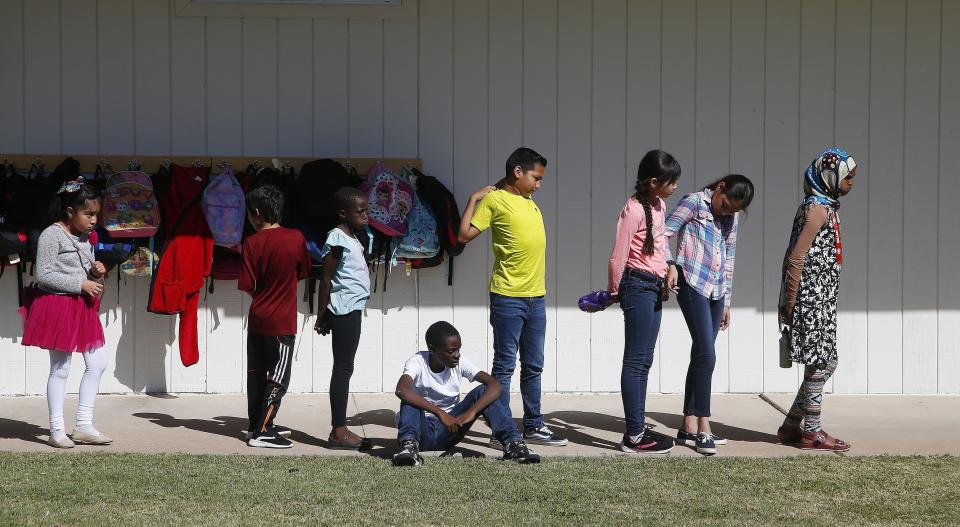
(390,200)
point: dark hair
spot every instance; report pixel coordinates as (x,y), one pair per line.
(75,200)
(662,166)
(439,332)
(267,201)
(344,197)
(524,158)
(737,187)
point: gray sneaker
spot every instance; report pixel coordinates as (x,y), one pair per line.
(543,436)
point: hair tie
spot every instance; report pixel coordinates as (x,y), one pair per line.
(72,186)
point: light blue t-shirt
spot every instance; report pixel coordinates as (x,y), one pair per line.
(350,287)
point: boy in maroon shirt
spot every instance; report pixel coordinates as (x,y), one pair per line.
(274,260)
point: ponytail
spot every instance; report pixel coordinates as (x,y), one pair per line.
(659,165)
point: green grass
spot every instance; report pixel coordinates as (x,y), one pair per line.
(135,489)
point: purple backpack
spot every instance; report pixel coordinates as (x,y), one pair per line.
(390,200)
(223,207)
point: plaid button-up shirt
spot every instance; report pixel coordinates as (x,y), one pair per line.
(707,246)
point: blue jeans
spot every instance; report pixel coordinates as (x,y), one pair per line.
(519,324)
(703,317)
(641,305)
(414,423)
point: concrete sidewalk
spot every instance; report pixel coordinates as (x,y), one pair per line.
(212,424)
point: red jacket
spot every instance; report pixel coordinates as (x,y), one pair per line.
(186,258)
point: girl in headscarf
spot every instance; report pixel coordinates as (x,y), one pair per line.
(808,295)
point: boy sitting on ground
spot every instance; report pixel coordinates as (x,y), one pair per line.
(432,416)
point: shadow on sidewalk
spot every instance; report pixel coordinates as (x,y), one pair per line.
(734,433)
(10,429)
(226,426)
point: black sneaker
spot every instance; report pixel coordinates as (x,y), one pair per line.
(518,451)
(269,440)
(686,438)
(409,454)
(647,444)
(706,445)
(543,436)
(281,431)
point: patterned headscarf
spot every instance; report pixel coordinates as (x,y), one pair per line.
(821,181)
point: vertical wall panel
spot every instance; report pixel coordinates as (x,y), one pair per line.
(189,86)
(295,88)
(470,87)
(12,66)
(224,86)
(713,128)
(852,122)
(436,108)
(948,370)
(885,273)
(817,70)
(678,133)
(608,179)
(747,329)
(781,166)
(259,70)
(504,116)
(78,52)
(643,107)
(330,88)
(152,77)
(571,175)
(540,133)
(920,171)
(12,353)
(115,72)
(366,88)
(400,321)
(41,77)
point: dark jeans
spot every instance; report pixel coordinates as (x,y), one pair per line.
(703,317)
(269,361)
(345,334)
(519,325)
(641,305)
(414,423)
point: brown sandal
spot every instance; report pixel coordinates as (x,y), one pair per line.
(353,442)
(822,441)
(789,435)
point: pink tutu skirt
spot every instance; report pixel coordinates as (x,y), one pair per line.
(67,323)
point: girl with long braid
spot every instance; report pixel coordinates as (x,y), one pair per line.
(636,271)
(808,295)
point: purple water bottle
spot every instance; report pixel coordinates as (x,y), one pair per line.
(595,301)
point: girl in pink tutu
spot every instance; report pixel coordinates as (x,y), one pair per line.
(61,310)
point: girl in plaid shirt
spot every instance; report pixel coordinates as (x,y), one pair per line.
(706,223)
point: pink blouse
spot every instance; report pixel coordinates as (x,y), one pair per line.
(628,245)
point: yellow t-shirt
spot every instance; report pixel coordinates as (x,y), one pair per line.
(519,243)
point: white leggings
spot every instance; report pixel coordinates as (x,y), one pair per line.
(96,363)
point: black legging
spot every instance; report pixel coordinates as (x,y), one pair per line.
(345,333)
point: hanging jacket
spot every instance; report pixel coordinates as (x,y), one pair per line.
(186,259)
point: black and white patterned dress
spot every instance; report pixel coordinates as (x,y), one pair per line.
(814,330)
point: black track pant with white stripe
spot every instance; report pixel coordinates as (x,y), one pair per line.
(269,360)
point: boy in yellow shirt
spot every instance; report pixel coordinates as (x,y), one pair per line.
(517,287)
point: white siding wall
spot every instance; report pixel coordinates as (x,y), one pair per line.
(750,86)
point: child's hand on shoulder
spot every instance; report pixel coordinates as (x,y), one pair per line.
(478,195)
